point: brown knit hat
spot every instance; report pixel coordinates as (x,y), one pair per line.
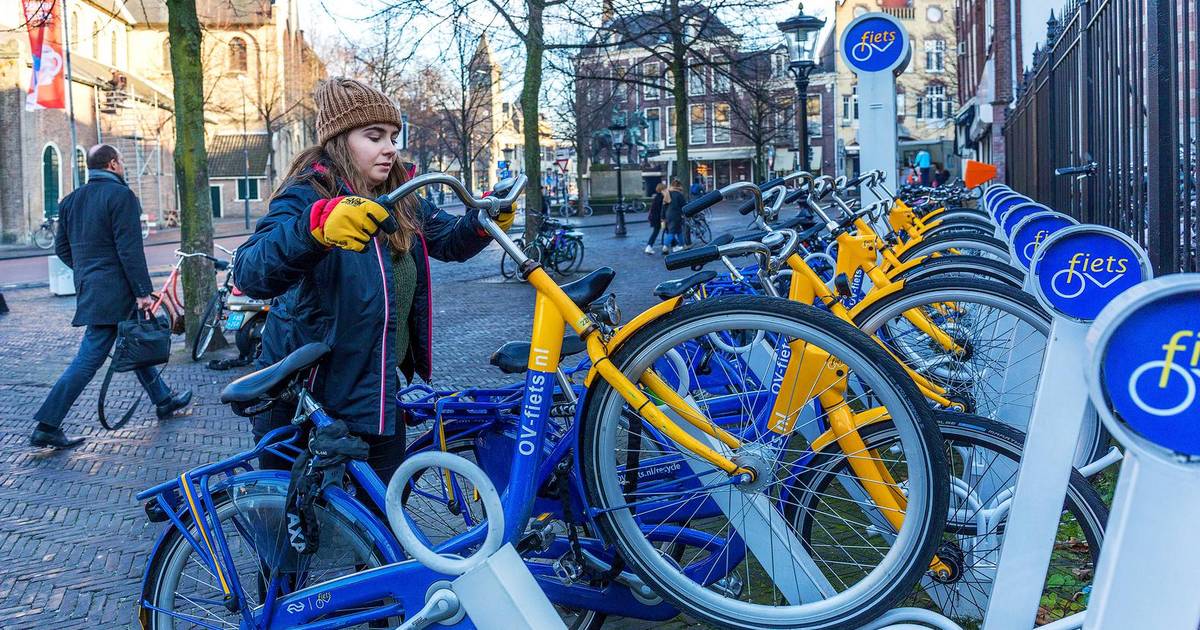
(344,104)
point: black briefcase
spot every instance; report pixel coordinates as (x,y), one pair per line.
(142,341)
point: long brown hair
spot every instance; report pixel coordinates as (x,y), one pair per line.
(335,166)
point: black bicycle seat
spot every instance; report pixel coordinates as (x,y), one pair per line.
(266,381)
(675,288)
(513,357)
(585,290)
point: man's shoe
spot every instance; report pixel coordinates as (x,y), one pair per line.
(666,250)
(649,249)
(53,439)
(173,404)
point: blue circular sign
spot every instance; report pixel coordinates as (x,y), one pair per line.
(1150,369)
(1013,216)
(1032,231)
(993,192)
(1079,270)
(1002,204)
(874,42)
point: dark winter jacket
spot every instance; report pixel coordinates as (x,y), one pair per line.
(675,212)
(656,208)
(344,299)
(100,238)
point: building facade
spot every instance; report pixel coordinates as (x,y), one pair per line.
(989,60)
(926,92)
(741,108)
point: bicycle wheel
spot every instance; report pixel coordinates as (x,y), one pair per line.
(963,266)
(744,567)
(508,266)
(698,226)
(969,244)
(252,517)
(983,456)
(121,394)
(43,238)
(570,256)
(210,324)
(1001,335)
(587,211)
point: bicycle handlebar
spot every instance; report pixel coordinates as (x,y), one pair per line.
(1083,169)
(492,205)
(702,203)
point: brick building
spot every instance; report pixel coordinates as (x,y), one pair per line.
(989,61)
(741,106)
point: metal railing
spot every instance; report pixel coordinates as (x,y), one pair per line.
(1115,85)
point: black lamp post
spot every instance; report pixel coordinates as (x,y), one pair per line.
(801,31)
(618,147)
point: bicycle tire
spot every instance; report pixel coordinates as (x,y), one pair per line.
(43,238)
(1029,321)
(587,211)
(210,322)
(929,484)
(964,598)
(988,245)
(961,228)
(570,257)
(267,498)
(967,266)
(249,336)
(508,266)
(121,394)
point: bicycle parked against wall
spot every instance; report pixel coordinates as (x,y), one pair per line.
(43,237)
(557,246)
(687,486)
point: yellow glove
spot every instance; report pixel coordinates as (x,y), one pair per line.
(346,222)
(506,217)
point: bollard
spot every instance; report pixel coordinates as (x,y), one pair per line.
(1143,375)
(1074,274)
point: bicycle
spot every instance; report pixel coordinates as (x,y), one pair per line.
(231,310)
(43,237)
(556,245)
(677,533)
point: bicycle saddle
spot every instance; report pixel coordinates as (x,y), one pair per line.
(513,357)
(585,290)
(675,288)
(264,382)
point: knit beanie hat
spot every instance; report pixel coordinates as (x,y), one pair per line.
(344,104)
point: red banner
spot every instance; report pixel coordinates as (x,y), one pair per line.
(47,87)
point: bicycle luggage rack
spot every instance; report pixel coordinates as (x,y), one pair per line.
(1161,484)
(479,404)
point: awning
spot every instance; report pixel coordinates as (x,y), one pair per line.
(696,155)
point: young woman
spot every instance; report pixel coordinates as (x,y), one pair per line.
(674,212)
(334,278)
(655,216)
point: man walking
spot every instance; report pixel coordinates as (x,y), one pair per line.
(100,238)
(923,163)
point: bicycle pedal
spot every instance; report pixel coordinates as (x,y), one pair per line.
(538,536)
(568,569)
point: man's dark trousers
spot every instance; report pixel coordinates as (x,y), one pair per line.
(98,340)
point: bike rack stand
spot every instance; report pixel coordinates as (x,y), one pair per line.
(494,588)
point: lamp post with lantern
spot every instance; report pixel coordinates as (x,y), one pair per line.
(617,131)
(801,32)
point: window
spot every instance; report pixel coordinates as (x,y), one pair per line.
(695,81)
(668,80)
(619,84)
(237,54)
(720,78)
(50,180)
(113,50)
(166,58)
(933,105)
(720,123)
(900,104)
(653,131)
(650,74)
(95,35)
(850,106)
(241,189)
(215,196)
(814,116)
(80,167)
(670,126)
(786,119)
(779,65)
(935,55)
(698,125)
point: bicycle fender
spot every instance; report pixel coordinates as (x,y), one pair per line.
(874,296)
(635,324)
(892,272)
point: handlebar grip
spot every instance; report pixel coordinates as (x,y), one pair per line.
(692,257)
(771,183)
(860,179)
(795,195)
(1074,170)
(706,201)
(747,206)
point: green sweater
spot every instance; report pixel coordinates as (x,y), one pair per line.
(404,287)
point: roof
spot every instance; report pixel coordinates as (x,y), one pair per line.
(225,157)
(147,12)
(646,28)
(212,13)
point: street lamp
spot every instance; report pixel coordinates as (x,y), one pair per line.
(617,130)
(245,155)
(801,31)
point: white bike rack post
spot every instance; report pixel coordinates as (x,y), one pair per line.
(1074,274)
(494,588)
(1144,373)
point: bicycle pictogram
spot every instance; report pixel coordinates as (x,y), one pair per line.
(1073,281)
(1166,383)
(872,43)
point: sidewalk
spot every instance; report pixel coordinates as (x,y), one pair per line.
(221,228)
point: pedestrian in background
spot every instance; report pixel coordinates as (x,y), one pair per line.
(655,217)
(697,188)
(100,238)
(673,241)
(940,174)
(923,163)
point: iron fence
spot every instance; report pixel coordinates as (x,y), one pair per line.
(1115,85)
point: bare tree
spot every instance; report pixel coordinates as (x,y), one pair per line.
(761,108)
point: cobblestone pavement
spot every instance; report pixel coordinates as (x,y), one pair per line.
(73,541)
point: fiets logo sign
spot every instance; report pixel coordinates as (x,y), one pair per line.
(533,412)
(874,43)
(1167,387)
(1084,269)
(1080,269)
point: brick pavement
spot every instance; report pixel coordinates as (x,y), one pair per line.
(73,542)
